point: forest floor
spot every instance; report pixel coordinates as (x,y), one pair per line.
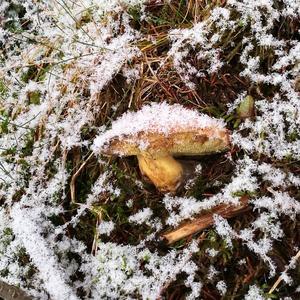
(69,70)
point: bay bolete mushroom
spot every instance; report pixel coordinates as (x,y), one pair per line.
(159,132)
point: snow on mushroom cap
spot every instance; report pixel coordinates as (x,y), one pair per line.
(156,118)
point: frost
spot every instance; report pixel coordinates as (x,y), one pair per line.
(269,133)
(195,38)
(280,203)
(42,256)
(212,272)
(223,229)
(212,252)
(254,293)
(192,181)
(119,52)
(119,271)
(221,287)
(187,207)
(132,74)
(142,216)
(129,203)
(106,227)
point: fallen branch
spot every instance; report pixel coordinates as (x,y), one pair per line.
(203,221)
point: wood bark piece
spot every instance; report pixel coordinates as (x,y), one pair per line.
(10,292)
(205,220)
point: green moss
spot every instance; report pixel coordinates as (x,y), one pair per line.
(28,148)
(170,14)
(4,273)
(179,244)
(124,181)
(85,18)
(13,15)
(135,13)
(85,229)
(293,136)
(9,152)
(56,220)
(41,75)
(244,193)
(213,110)
(121,215)
(7,237)
(34,97)
(3,88)
(34,73)
(4,124)
(198,188)
(29,74)
(22,257)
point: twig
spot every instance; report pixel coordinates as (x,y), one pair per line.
(225,210)
(96,235)
(277,282)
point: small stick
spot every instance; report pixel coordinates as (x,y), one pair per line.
(279,279)
(203,221)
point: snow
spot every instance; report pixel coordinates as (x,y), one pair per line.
(41,255)
(254,293)
(221,287)
(212,252)
(106,227)
(119,273)
(212,272)
(142,216)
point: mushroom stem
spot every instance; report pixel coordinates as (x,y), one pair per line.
(163,170)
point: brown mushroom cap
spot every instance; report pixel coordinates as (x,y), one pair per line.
(181,143)
(163,128)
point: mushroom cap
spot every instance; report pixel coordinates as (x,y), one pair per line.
(161,128)
(181,143)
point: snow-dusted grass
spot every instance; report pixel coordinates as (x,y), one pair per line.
(69,69)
